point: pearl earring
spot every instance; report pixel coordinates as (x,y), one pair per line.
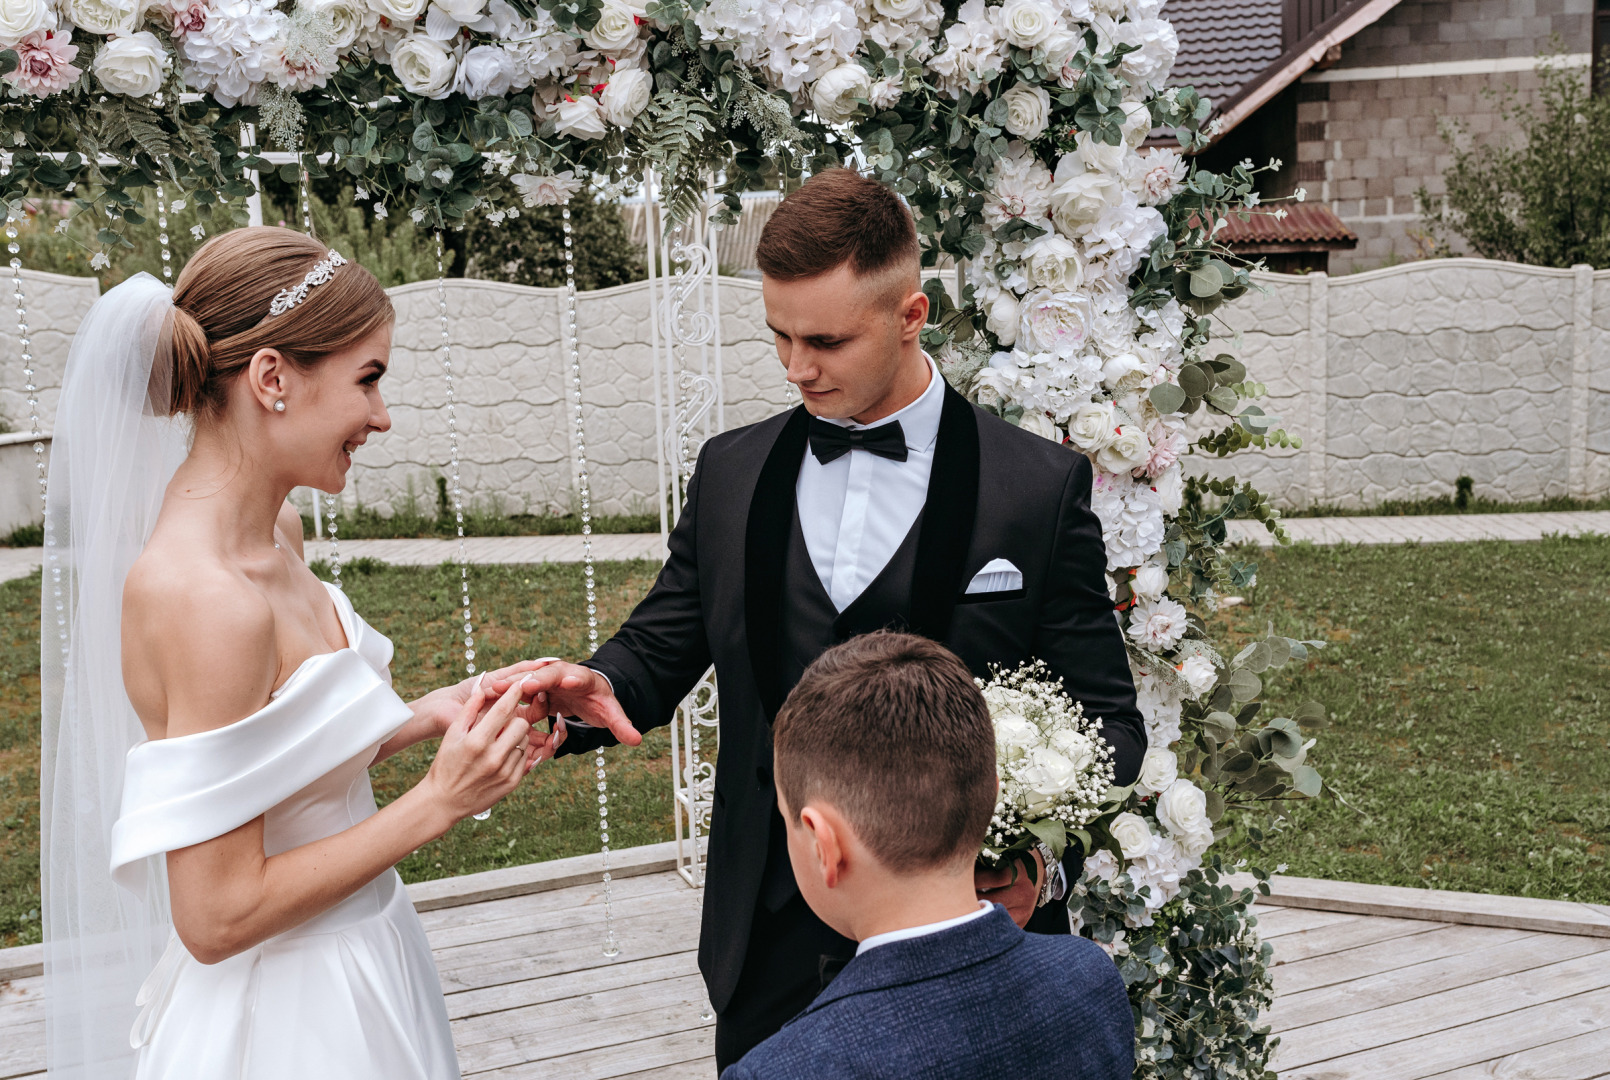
(279,406)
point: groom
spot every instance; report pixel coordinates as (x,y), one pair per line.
(886,500)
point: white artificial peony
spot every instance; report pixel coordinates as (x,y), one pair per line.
(546,189)
(1150,581)
(1157,624)
(1199,674)
(1158,770)
(1182,809)
(626,95)
(401,13)
(1026,23)
(1054,262)
(1079,199)
(834,95)
(581,117)
(133,64)
(1126,451)
(485,71)
(423,66)
(1057,323)
(347,18)
(19,18)
(1135,837)
(616,28)
(1137,123)
(1028,110)
(1124,366)
(1021,188)
(1090,426)
(1003,316)
(1041,424)
(103,16)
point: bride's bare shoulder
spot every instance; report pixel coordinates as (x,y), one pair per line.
(199,647)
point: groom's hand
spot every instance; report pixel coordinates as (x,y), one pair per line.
(573,690)
(1011,887)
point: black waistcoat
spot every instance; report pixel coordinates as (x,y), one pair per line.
(811,626)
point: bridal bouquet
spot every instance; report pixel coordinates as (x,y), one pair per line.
(1055,769)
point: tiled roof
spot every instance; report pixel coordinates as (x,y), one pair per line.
(1224,44)
(1304,223)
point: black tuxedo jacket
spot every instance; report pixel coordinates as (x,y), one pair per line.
(996,491)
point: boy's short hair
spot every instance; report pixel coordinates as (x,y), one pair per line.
(839,216)
(893,732)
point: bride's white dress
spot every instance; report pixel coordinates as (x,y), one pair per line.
(351,994)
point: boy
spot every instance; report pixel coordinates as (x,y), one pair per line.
(884,759)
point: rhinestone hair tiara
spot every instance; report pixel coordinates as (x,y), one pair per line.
(322,272)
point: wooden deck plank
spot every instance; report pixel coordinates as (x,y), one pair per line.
(703,1069)
(551,901)
(639,939)
(1352,932)
(1278,922)
(1362,1034)
(1367,960)
(657,1052)
(574,919)
(490,999)
(1470,1044)
(1432,977)
(22,1051)
(1585,1057)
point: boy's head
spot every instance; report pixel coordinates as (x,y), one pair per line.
(885,769)
(840,275)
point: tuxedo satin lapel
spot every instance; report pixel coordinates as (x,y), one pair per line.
(947,519)
(771,511)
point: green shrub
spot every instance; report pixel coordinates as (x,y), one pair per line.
(530,249)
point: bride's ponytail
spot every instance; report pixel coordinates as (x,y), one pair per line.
(190,362)
(221,312)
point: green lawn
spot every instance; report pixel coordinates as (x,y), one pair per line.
(1469,684)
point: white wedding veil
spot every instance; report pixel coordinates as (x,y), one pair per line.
(113,452)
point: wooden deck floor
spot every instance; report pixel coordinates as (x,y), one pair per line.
(1362,993)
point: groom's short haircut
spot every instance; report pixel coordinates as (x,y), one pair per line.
(839,216)
(892,731)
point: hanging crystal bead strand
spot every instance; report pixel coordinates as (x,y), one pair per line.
(25,343)
(572,341)
(307,208)
(162,235)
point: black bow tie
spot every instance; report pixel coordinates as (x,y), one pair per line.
(829,441)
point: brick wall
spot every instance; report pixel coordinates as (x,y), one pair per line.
(1366,145)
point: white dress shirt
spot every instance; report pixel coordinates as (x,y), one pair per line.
(922,931)
(856,509)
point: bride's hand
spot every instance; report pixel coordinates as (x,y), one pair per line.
(483,754)
(451,699)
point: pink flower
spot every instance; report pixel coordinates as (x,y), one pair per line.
(1167,446)
(188,16)
(45,63)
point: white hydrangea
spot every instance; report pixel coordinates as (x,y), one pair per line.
(791,42)
(237,46)
(974,51)
(1131,519)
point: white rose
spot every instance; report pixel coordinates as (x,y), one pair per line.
(1079,200)
(1054,262)
(1013,736)
(1149,582)
(1137,123)
(1042,425)
(401,13)
(423,66)
(1074,746)
(1126,451)
(1025,23)
(103,16)
(1199,674)
(1182,809)
(1157,624)
(626,95)
(898,10)
(1158,769)
(615,30)
(582,117)
(1134,836)
(1028,110)
(19,18)
(1120,367)
(1003,317)
(1047,774)
(1170,488)
(1091,425)
(486,71)
(346,19)
(1056,323)
(134,64)
(833,96)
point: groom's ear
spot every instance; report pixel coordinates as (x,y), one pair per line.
(913,313)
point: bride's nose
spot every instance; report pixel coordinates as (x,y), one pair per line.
(380,419)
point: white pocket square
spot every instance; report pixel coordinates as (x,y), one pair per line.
(998,575)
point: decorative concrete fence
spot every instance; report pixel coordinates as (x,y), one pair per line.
(1399,381)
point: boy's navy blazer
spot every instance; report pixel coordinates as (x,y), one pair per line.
(977,1001)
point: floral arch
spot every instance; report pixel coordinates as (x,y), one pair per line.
(1040,150)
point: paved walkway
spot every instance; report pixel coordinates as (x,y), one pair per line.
(1433,529)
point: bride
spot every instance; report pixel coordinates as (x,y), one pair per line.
(211,708)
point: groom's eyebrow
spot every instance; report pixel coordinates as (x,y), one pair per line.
(815,339)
